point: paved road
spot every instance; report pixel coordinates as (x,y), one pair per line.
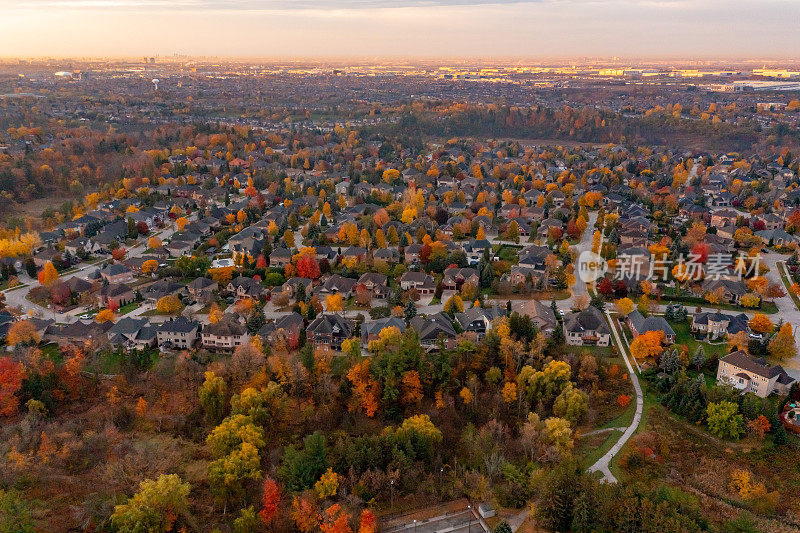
(585,245)
(787,310)
(602,464)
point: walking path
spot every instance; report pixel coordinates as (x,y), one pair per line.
(602,464)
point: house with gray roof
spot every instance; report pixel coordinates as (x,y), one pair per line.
(640,325)
(587,328)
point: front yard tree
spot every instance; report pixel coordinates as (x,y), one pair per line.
(782,345)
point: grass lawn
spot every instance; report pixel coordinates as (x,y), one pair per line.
(52,352)
(507,252)
(607,354)
(127,308)
(768,308)
(110,362)
(683,335)
(787,284)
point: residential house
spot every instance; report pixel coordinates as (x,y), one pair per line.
(178,334)
(243,287)
(733,289)
(376,283)
(474,249)
(432,328)
(715,325)
(478,320)
(226,334)
(420,281)
(371,330)
(587,328)
(116,273)
(454,278)
(77,332)
(541,314)
(133,334)
(164,287)
(755,375)
(202,289)
(336,284)
(640,325)
(280,257)
(775,237)
(117,294)
(329,330)
(291,285)
(289,325)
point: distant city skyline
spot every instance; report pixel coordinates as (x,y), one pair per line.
(689,29)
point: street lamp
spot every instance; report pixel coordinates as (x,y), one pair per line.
(391,494)
(415,526)
(469,524)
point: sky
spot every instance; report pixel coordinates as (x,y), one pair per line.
(688,29)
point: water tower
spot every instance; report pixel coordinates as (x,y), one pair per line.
(155,84)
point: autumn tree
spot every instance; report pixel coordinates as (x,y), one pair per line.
(334,302)
(572,404)
(288,238)
(454,304)
(305,515)
(22,332)
(647,344)
(759,426)
(335,520)
(222,275)
(367,523)
(411,387)
(624,306)
(169,304)
(149,267)
(228,475)
(366,391)
(48,274)
(104,315)
(308,267)
(156,506)
(119,254)
(271,500)
(215,313)
(782,345)
(11,375)
(327,485)
(180,223)
(212,394)
(760,323)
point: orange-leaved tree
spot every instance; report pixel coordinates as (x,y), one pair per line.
(760,323)
(11,375)
(48,274)
(647,344)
